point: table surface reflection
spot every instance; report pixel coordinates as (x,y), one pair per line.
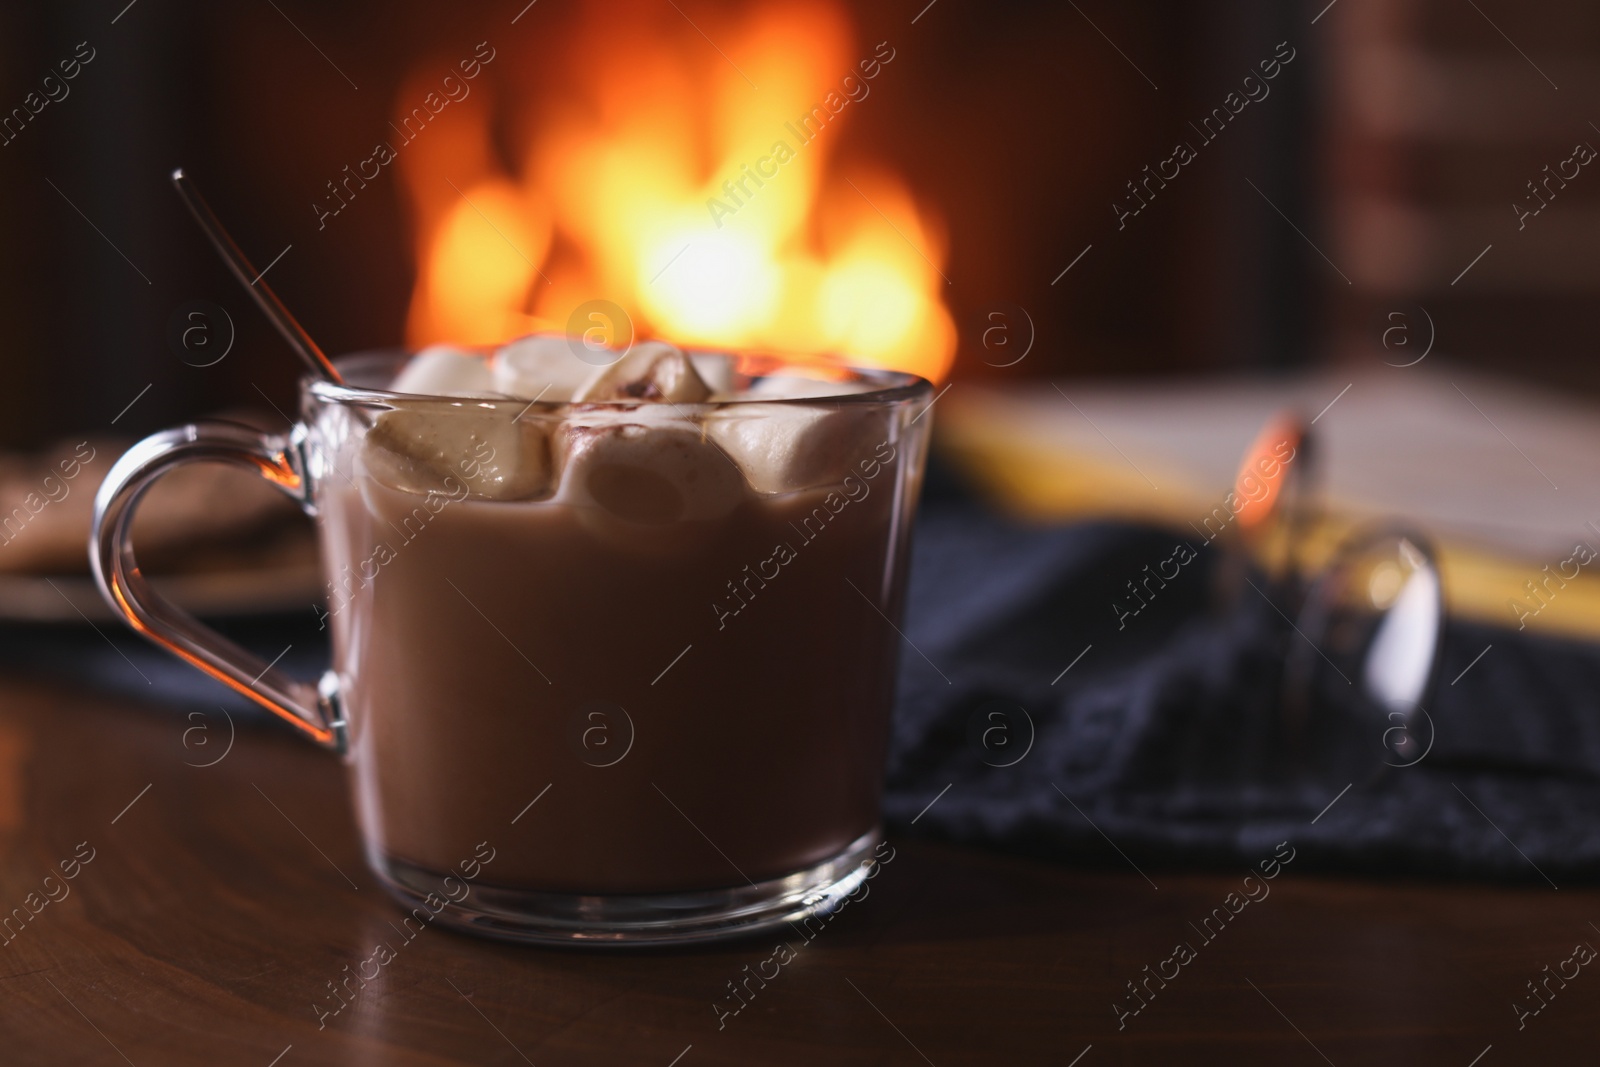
(218,907)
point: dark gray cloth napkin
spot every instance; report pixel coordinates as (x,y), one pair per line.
(1165,743)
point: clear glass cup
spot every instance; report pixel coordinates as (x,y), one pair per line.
(623,715)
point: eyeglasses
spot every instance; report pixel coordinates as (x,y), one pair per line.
(1362,660)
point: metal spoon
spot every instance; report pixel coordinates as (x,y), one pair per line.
(254,284)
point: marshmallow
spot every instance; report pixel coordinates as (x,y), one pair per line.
(797,387)
(441,370)
(457,449)
(651,370)
(650,472)
(543,365)
(786,447)
(716,370)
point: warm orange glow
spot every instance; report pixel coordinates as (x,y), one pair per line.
(609,199)
(1263,471)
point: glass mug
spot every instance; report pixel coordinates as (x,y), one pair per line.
(692,679)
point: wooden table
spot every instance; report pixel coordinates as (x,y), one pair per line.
(216,909)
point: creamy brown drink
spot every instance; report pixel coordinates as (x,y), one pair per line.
(614,633)
(663,597)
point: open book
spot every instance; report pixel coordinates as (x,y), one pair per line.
(1504,476)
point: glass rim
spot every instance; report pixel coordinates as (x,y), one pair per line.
(890,387)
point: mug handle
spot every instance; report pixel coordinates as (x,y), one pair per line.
(281,460)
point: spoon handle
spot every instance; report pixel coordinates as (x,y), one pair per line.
(259,290)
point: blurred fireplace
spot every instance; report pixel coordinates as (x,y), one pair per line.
(1013,132)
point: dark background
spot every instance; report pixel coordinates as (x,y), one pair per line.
(1396,141)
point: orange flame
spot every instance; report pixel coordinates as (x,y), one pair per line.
(612,200)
